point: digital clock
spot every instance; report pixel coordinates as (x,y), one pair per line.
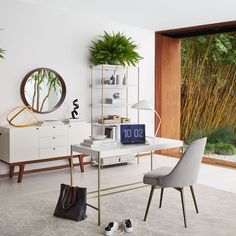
(130,134)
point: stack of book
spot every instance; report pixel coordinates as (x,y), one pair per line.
(98,143)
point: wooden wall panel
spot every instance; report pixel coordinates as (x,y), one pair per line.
(168,85)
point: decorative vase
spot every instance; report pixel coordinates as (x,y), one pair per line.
(125,80)
(112,79)
(118,80)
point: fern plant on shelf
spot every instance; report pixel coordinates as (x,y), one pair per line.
(114,49)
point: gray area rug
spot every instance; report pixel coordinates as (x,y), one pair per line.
(32,214)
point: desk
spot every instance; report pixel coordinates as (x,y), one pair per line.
(153,144)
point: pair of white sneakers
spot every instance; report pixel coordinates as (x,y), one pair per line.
(113,226)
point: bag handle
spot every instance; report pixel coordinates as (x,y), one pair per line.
(71,167)
(69,197)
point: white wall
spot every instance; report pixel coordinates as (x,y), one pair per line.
(36,36)
(151,14)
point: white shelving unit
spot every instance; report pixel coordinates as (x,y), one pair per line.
(99,92)
(129,94)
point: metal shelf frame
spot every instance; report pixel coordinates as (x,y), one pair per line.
(104,69)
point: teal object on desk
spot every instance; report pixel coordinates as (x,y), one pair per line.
(132,134)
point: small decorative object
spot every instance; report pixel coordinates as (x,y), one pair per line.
(114,49)
(125,80)
(74,113)
(108,81)
(116,95)
(112,79)
(17,111)
(125,120)
(118,80)
(110,132)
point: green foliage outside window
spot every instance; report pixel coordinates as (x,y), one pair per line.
(208,93)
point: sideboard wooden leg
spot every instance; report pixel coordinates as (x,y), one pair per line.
(11,172)
(81,162)
(21,172)
(69,160)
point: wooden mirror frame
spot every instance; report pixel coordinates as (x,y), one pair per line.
(22,89)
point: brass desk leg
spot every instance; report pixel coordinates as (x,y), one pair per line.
(99,190)
(151,161)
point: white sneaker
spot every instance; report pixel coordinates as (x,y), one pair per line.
(127,225)
(111,228)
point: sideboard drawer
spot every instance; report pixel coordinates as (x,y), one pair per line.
(53,141)
(53,130)
(53,152)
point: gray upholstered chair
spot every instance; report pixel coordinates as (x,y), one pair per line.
(184,174)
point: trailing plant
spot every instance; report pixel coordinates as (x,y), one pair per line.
(114,49)
(208,93)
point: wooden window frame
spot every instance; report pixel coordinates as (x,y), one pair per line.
(168,78)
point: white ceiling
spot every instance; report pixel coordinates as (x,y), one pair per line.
(150,14)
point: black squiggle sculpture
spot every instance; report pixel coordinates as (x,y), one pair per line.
(74,113)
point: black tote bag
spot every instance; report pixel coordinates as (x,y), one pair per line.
(72,201)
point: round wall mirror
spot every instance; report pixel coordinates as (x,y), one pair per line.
(43,89)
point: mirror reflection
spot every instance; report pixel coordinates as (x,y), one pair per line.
(43,89)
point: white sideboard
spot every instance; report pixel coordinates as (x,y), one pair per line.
(37,143)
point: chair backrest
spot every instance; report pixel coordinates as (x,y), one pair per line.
(186,171)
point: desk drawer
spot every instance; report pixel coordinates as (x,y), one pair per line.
(53,141)
(59,130)
(53,152)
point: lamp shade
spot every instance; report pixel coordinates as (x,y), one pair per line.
(143,105)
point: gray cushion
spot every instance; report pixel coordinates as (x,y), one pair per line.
(152,177)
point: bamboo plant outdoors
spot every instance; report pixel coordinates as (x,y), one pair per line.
(114,49)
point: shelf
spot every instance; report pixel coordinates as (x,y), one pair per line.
(105,86)
(109,67)
(118,124)
(111,105)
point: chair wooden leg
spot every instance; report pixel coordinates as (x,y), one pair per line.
(149,202)
(81,162)
(11,172)
(183,206)
(194,199)
(162,191)
(21,172)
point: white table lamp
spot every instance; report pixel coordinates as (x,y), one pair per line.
(146,105)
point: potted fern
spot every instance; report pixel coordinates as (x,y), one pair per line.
(114,49)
